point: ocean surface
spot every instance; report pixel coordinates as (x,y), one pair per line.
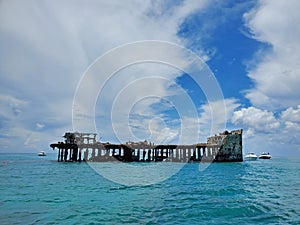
(39,190)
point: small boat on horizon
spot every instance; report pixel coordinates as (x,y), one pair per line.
(250,157)
(42,153)
(265,155)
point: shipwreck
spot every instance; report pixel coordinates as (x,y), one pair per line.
(77,147)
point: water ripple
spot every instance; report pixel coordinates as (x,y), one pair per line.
(47,192)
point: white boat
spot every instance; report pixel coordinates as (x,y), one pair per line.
(42,153)
(250,157)
(265,155)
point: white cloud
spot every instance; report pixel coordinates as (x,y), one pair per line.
(275,70)
(161,133)
(291,114)
(137,105)
(291,120)
(220,112)
(273,119)
(47,45)
(264,130)
(257,119)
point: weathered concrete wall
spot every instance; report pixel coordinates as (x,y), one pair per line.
(231,149)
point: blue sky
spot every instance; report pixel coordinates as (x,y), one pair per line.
(251,47)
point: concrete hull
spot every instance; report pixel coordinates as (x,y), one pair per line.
(228,150)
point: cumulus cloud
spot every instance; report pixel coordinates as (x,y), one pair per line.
(291,119)
(275,69)
(265,130)
(273,119)
(291,114)
(257,119)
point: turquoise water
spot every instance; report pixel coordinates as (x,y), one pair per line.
(38,190)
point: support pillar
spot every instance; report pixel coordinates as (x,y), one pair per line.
(58,157)
(138,154)
(189,154)
(61,155)
(79,157)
